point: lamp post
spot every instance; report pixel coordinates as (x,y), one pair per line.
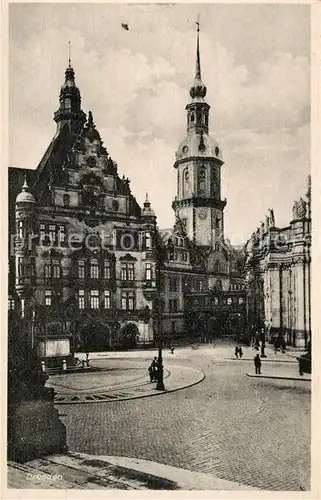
(160,372)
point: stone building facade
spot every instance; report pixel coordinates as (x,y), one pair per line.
(199,261)
(85,250)
(89,262)
(278,276)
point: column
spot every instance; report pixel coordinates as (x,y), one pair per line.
(300,303)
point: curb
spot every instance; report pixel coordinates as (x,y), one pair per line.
(139,396)
(265,360)
(279,378)
(113,473)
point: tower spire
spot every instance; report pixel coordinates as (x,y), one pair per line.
(198,89)
(198,60)
(69,54)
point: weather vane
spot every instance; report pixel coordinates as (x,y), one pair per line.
(198,22)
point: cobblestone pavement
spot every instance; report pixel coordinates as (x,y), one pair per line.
(248,430)
(117,383)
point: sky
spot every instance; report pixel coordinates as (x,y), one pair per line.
(255,63)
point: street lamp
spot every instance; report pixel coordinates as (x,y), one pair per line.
(160,372)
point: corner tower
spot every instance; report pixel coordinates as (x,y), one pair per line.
(198,202)
(70,112)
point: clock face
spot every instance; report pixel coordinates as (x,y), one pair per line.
(185,149)
(202,213)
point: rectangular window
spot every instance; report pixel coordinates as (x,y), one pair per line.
(148,271)
(94,299)
(187,285)
(128,271)
(67,103)
(215,301)
(62,235)
(148,240)
(107,299)
(48,297)
(229,301)
(173,284)
(131,272)
(128,301)
(20,267)
(66,200)
(47,270)
(20,229)
(241,300)
(81,269)
(184,256)
(55,269)
(94,269)
(42,232)
(173,305)
(81,299)
(107,269)
(217,223)
(10,303)
(52,233)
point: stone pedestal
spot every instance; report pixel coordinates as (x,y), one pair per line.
(34,430)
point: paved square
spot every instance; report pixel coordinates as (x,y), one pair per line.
(254,431)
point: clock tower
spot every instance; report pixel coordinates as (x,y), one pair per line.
(198,204)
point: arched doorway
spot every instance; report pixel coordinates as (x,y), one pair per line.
(128,336)
(94,336)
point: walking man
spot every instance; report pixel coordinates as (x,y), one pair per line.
(237,351)
(257,364)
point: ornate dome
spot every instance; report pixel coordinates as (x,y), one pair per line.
(25,196)
(201,145)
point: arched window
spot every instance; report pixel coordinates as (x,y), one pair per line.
(185,181)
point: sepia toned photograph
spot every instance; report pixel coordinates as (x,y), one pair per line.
(159,247)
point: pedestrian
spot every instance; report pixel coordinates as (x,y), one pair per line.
(154,366)
(240,352)
(172,349)
(151,373)
(87,358)
(237,351)
(257,364)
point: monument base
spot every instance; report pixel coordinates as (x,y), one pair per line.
(34,430)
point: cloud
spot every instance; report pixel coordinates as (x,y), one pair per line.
(136,84)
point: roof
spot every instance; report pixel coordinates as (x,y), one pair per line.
(201,145)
